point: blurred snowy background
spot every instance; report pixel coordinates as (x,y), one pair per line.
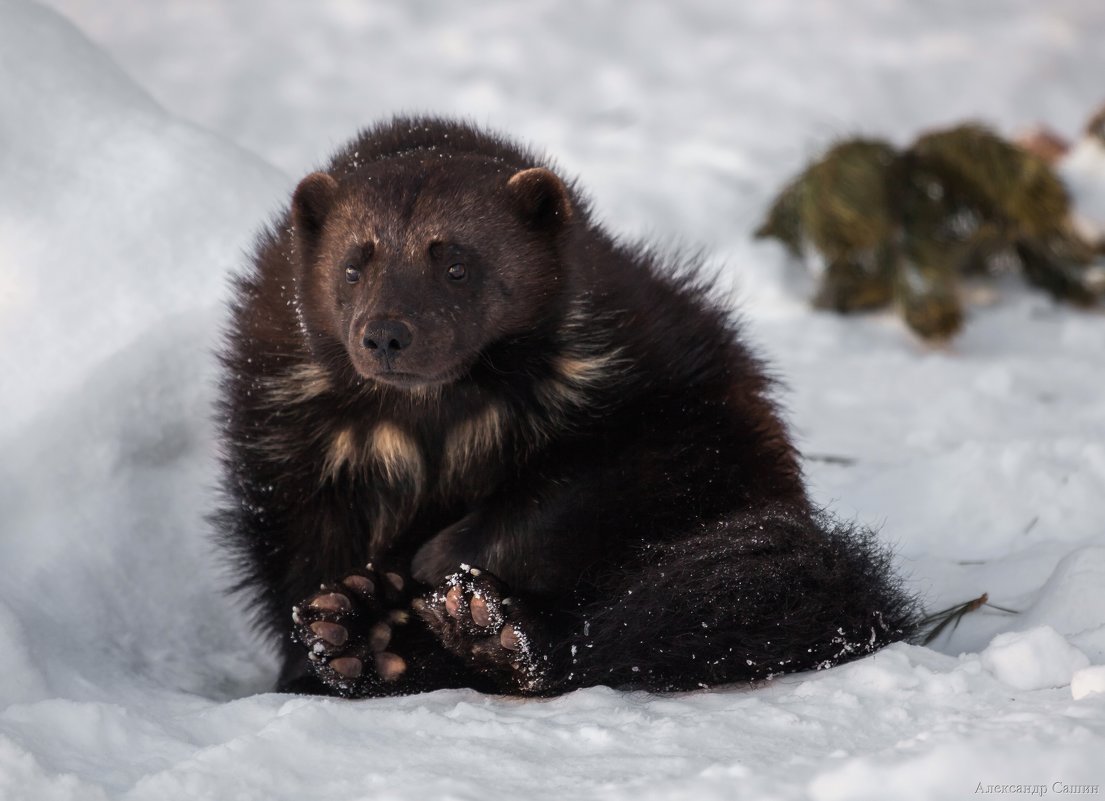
(142,144)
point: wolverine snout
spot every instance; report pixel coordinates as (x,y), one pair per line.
(385,338)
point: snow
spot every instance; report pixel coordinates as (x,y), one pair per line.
(1033,660)
(127,674)
(1083,171)
(1087,681)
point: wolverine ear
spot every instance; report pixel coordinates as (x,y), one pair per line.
(541,196)
(310,204)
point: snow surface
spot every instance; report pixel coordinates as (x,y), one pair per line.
(126,674)
(1081,170)
(1087,681)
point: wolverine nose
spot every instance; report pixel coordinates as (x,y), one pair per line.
(387,337)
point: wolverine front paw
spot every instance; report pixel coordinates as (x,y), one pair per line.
(347,628)
(474,617)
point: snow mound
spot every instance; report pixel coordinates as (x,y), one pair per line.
(1072,601)
(118,227)
(114,216)
(1033,660)
(1088,681)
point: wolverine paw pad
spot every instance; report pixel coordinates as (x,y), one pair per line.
(474,617)
(347,627)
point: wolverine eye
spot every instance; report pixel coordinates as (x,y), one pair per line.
(352,275)
(457,272)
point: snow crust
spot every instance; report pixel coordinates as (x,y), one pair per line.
(126,674)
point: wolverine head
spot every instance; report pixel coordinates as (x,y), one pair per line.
(417,265)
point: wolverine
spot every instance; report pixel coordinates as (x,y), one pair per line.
(471,439)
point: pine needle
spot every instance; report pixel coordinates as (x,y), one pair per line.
(954,614)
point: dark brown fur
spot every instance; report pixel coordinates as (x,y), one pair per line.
(575,416)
